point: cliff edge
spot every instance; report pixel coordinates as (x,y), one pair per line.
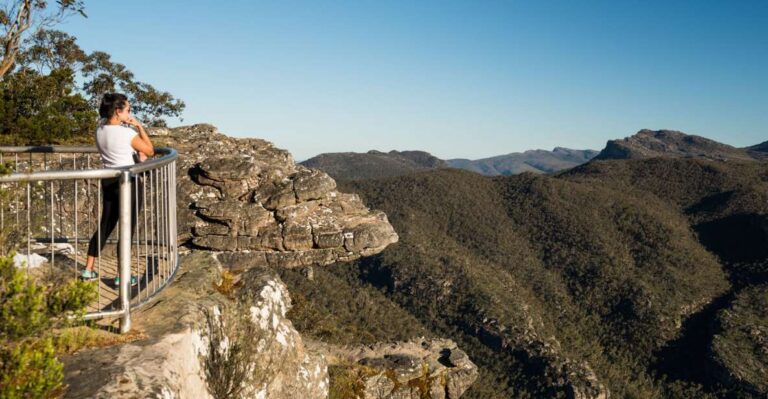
(246,195)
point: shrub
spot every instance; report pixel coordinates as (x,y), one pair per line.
(23,310)
(29,369)
(232,340)
(28,313)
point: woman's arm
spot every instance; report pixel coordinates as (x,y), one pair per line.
(141,142)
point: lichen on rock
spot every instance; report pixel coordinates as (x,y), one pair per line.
(190,321)
(414,369)
(245,195)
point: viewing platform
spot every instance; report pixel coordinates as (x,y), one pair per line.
(50,207)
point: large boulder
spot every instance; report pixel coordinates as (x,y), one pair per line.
(244,195)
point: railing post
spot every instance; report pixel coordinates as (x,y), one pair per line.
(124,251)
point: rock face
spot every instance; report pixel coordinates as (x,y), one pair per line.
(196,327)
(251,208)
(670,143)
(432,368)
(175,360)
(245,195)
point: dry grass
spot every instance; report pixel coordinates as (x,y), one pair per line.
(72,339)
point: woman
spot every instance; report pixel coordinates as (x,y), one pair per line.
(117,145)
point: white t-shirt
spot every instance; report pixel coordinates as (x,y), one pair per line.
(114,145)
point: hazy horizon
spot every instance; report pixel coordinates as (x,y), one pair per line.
(457,79)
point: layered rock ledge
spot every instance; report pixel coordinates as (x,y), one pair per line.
(246,195)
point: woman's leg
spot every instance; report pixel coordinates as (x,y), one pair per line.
(110,213)
(136,204)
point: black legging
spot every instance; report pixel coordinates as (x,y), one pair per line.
(110,213)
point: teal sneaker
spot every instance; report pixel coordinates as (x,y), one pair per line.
(88,275)
(134,281)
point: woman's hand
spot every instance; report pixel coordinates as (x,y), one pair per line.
(141,141)
(133,122)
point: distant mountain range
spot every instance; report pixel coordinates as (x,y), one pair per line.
(762,147)
(644,144)
(372,164)
(536,161)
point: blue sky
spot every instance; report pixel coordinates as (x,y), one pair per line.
(468,79)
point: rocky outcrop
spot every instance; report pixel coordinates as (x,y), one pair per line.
(245,195)
(670,143)
(419,368)
(190,321)
(739,348)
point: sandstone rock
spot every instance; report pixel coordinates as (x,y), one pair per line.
(174,361)
(419,368)
(312,184)
(245,195)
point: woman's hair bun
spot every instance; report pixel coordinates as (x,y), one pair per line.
(110,103)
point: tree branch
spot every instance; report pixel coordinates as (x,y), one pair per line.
(12,39)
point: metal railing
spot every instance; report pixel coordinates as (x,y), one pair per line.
(52,203)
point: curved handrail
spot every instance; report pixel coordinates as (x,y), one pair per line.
(47,149)
(168,156)
(156,176)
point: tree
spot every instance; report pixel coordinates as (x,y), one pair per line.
(51,87)
(18,16)
(49,50)
(40,108)
(147,103)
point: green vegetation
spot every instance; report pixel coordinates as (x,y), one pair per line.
(28,344)
(600,265)
(741,345)
(50,88)
(36,324)
(348,381)
(365,317)
(232,344)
